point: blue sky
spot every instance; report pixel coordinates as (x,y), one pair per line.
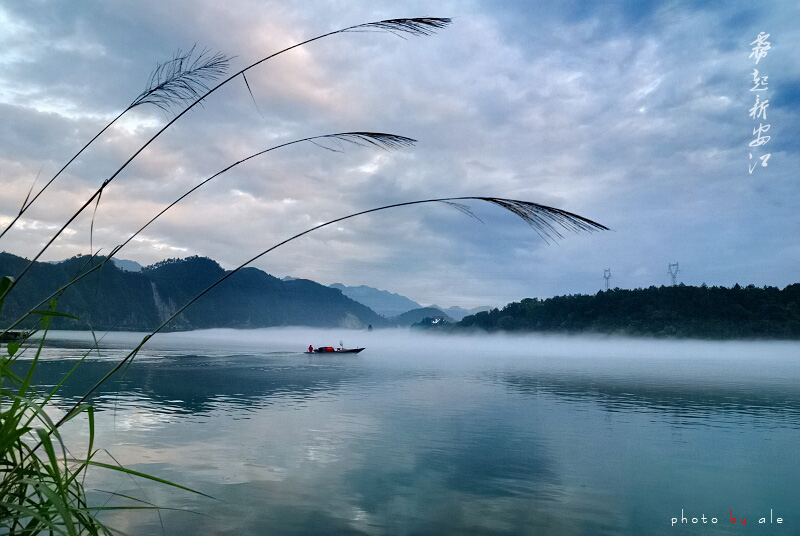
(633,114)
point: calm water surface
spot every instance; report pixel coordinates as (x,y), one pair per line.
(444,435)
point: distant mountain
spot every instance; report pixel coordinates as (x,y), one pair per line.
(381,301)
(417,315)
(128,266)
(458,313)
(113,299)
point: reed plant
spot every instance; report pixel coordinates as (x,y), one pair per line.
(42,480)
(42,487)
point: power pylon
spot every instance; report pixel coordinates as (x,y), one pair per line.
(673,271)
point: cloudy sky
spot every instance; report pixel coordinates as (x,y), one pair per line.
(634,114)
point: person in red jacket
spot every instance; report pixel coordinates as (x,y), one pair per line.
(310,348)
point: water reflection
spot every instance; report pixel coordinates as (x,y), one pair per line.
(698,400)
(413,438)
(194,384)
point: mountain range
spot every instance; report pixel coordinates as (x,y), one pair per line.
(116,299)
(393,306)
(382,302)
(458,313)
(125,295)
(113,298)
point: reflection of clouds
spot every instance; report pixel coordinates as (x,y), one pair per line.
(321,452)
(442,435)
(686,403)
(617,109)
(141,420)
(334,464)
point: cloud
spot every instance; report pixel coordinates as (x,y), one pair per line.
(632,114)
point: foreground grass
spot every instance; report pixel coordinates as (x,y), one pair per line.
(41,479)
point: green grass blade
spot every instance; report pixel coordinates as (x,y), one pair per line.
(53,313)
(142,475)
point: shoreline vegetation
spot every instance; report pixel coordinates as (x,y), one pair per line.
(681,311)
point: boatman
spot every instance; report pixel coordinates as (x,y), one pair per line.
(310,348)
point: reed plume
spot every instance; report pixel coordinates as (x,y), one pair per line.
(543,219)
(182,79)
(380,140)
(411,26)
(360,139)
(419,26)
(44,492)
(179,80)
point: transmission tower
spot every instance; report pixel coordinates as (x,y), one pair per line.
(673,271)
(607,275)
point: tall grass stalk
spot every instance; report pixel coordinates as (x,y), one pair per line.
(43,492)
(412,26)
(41,482)
(546,221)
(172,82)
(361,139)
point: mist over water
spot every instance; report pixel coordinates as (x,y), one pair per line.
(439,434)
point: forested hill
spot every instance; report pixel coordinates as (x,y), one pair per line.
(114,299)
(679,311)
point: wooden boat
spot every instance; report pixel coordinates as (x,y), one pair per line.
(332,350)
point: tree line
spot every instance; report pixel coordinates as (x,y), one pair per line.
(675,311)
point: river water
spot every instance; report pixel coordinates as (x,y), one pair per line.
(424,434)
